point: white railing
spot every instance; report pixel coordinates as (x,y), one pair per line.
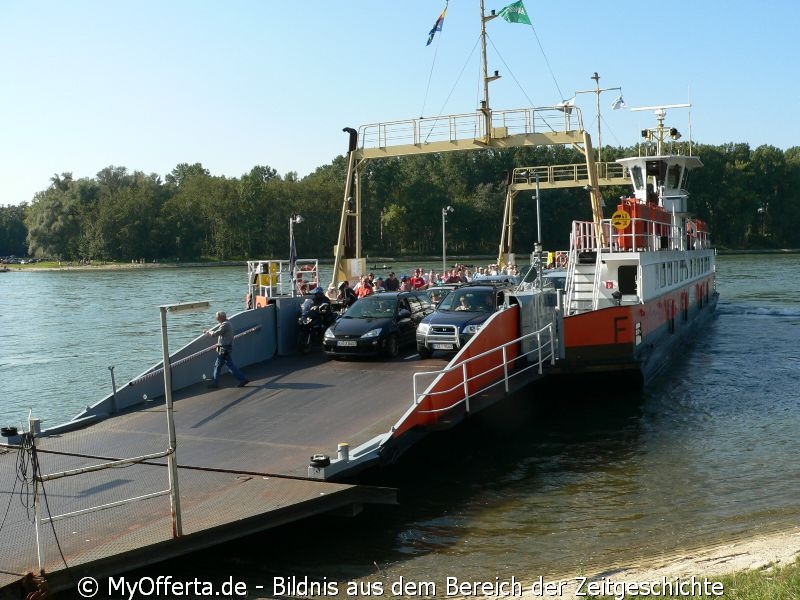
(641,235)
(542,352)
(575,173)
(273,278)
(451,128)
(28,445)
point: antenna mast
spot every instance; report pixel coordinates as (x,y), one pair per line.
(597,91)
(485,106)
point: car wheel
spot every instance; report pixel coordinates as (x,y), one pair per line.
(424,351)
(392,346)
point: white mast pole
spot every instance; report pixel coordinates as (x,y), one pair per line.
(485,106)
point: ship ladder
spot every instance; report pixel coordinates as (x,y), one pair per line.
(582,276)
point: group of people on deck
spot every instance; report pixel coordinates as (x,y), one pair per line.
(419,280)
(346,296)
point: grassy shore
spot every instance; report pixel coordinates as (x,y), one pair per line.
(777,583)
(765,567)
(780,583)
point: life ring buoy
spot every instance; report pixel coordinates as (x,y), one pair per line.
(562,260)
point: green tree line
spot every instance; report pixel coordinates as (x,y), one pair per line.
(748,197)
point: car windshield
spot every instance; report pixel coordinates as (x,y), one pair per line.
(372,307)
(468,300)
(437,294)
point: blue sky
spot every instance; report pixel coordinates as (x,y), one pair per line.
(149,84)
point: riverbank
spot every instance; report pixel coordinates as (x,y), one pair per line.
(375,263)
(757,554)
(137,266)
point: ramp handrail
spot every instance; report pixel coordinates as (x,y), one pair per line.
(159,370)
(543,351)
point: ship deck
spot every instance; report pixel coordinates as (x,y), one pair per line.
(242,454)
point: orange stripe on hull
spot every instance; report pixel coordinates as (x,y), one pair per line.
(609,335)
(600,327)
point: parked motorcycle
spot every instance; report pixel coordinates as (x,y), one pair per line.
(314,319)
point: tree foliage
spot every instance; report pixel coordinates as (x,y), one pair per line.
(748,196)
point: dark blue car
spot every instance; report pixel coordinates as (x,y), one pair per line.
(460,316)
(382,323)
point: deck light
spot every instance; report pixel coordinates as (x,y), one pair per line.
(293,220)
(445,211)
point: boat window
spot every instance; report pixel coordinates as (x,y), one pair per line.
(657,169)
(674,177)
(636,173)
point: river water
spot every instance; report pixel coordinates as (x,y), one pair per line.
(579,478)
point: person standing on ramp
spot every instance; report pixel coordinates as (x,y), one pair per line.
(224,333)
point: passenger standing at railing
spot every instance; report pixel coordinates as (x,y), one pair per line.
(417,280)
(392,284)
(347,295)
(365,289)
(224,332)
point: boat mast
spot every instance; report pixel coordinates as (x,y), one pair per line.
(597,91)
(485,106)
(660,132)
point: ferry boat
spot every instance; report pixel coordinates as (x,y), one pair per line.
(639,283)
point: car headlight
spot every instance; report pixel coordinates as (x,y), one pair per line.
(423,328)
(472,329)
(372,333)
(329,334)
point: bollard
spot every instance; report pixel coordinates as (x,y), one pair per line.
(343,452)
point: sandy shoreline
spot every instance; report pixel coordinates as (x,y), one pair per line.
(746,554)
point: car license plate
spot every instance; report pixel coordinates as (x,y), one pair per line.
(349,343)
(443,346)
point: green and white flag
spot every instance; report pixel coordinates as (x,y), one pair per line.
(515,13)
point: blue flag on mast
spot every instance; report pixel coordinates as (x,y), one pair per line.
(437,26)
